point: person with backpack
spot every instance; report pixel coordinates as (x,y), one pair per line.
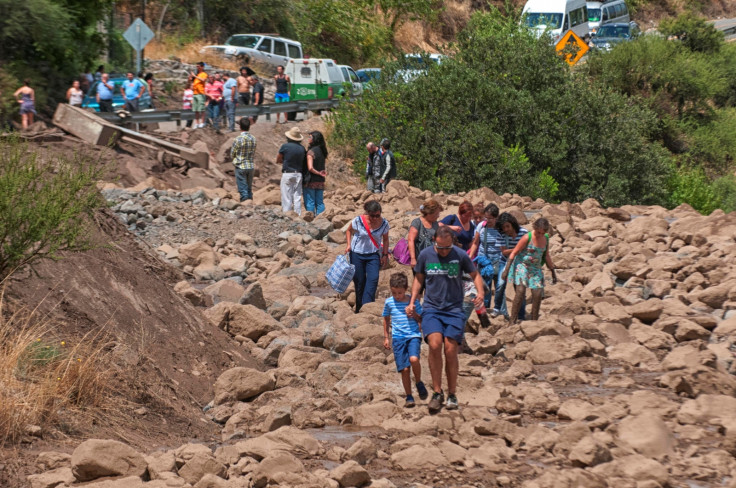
(363,235)
(525,267)
(387,165)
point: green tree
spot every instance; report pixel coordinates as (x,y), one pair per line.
(46,205)
(506,112)
(50,41)
(695,32)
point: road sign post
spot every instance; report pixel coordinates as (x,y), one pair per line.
(138,35)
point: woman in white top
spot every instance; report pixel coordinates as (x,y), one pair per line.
(75,95)
(368,251)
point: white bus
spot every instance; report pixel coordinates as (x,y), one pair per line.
(557,17)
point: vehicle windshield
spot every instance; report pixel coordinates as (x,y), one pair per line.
(243,41)
(367,75)
(613,31)
(594,15)
(553,21)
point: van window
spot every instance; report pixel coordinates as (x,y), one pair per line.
(577,17)
(353,76)
(594,15)
(265,45)
(306,72)
(279,48)
(294,51)
(624,9)
(606,14)
(243,41)
(345,75)
(330,64)
(551,20)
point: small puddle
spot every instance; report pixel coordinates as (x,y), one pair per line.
(341,435)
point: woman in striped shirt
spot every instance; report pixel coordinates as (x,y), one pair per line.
(512,233)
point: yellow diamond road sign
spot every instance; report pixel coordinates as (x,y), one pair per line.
(571,47)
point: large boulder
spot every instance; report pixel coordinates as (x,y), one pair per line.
(350,474)
(95,458)
(551,349)
(241,384)
(244,320)
(647,434)
(197,253)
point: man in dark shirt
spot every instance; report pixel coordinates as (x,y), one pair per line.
(441,268)
(293,160)
(257,93)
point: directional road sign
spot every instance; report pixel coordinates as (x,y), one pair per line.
(138,35)
(571,47)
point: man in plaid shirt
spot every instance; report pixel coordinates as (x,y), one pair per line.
(243,153)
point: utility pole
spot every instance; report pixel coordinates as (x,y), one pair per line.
(143,18)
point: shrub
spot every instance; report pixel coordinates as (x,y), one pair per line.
(725,191)
(694,32)
(46,204)
(43,378)
(690,185)
(507,113)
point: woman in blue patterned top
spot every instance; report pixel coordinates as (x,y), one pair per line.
(367,238)
(512,233)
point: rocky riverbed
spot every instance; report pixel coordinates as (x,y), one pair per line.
(627,379)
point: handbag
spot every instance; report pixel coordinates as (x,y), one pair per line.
(340,274)
(401,252)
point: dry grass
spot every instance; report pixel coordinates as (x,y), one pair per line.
(44,378)
(188,53)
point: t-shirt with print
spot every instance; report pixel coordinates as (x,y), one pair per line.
(402,326)
(132,88)
(443,278)
(490,241)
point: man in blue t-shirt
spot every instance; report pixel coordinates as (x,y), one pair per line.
(104,91)
(229,94)
(132,89)
(441,268)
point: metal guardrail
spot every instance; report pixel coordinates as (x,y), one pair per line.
(153,116)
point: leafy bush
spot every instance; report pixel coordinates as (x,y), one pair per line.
(690,185)
(46,205)
(507,113)
(714,143)
(725,190)
(694,32)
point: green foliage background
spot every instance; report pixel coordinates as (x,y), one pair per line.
(650,122)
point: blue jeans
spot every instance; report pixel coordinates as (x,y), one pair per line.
(500,297)
(230,114)
(244,180)
(313,200)
(213,114)
(367,267)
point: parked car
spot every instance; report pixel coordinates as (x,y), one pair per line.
(417,64)
(607,12)
(557,17)
(90,100)
(269,49)
(314,78)
(609,35)
(349,76)
(366,75)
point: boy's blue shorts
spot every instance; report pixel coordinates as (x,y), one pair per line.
(450,324)
(404,349)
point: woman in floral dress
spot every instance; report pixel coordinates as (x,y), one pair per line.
(525,267)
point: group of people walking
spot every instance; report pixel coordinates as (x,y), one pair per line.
(303,170)
(484,249)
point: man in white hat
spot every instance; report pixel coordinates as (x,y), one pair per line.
(293,160)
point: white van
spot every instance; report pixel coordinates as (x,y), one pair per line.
(349,76)
(557,17)
(273,50)
(611,12)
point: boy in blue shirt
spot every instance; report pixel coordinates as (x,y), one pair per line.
(406,334)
